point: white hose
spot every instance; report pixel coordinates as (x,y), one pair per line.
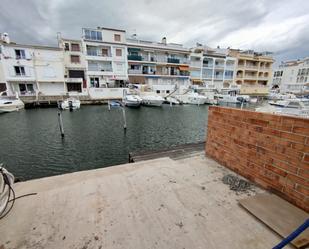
(6,180)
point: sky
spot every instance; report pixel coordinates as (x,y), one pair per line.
(278,26)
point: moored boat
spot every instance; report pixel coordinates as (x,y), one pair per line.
(132,100)
(10,104)
(70,104)
(152,100)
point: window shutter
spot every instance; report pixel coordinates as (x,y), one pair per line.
(28,55)
(27,71)
(12,71)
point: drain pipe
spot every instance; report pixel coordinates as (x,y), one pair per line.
(293,235)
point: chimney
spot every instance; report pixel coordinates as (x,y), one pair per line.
(164,40)
(5,38)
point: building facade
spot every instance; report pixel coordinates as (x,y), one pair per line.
(253,71)
(74,66)
(162,66)
(292,76)
(212,67)
(31,70)
(106,57)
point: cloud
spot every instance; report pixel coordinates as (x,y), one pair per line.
(281,26)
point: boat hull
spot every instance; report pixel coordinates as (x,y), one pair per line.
(152,102)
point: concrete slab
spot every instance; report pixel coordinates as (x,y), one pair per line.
(159,203)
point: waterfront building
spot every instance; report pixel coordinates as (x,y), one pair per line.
(253,71)
(31,70)
(292,76)
(162,66)
(74,65)
(213,68)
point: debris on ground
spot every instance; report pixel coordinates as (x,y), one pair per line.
(236,183)
(179,224)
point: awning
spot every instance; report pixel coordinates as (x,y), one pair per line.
(184,68)
(134,49)
(197,81)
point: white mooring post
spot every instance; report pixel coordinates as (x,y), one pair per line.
(124,118)
(60,124)
(109,106)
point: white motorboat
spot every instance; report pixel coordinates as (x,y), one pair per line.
(172,100)
(294,107)
(192,98)
(10,104)
(289,103)
(70,104)
(152,100)
(132,100)
(227,98)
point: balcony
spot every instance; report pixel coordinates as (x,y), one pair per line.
(173,60)
(135,71)
(208,65)
(133,57)
(73,80)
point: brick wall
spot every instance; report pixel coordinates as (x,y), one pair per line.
(270,150)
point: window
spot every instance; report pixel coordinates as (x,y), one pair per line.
(93,35)
(75,47)
(26,88)
(118,52)
(20,54)
(66,46)
(117,37)
(158,91)
(167,91)
(105,52)
(75,59)
(19,71)
(94,82)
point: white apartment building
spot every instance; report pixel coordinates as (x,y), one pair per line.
(292,76)
(74,66)
(212,68)
(106,57)
(31,70)
(162,66)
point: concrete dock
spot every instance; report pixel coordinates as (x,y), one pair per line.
(159,203)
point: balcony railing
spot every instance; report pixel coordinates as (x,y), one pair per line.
(134,57)
(173,60)
(135,71)
(208,65)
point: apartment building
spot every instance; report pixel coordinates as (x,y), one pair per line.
(106,57)
(292,76)
(253,71)
(31,70)
(74,65)
(162,66)
(212,67)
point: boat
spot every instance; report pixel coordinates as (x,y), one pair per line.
(132,100)
(152,100)
(192,98)
(70,104)
(10,104)
(172,100)
(288,103)
(292,107)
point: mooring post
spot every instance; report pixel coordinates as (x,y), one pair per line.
(60,124)
(109,106)
(124,118)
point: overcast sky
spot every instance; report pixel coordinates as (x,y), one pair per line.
(280,26)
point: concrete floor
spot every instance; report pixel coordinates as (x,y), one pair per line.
(159,203)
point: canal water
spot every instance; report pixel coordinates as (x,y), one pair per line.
(31,145)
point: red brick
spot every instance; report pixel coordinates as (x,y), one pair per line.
(276,170)
(301,130)
(293,137)
(298,180)
(302,189)
(306,158)
(304,173)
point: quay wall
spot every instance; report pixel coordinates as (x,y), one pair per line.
(269,150)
